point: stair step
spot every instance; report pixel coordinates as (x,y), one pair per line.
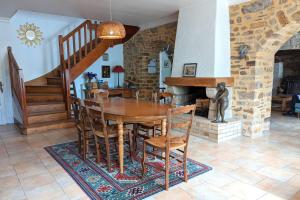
(45,126)
(45,107)
(54,81)
(49,89)
(39,97)
(39,117)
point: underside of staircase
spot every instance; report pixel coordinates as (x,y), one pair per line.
(44,102)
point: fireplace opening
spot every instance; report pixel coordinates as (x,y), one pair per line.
(194,95)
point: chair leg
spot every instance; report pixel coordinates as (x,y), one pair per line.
(130,145)
(167,169)
(98,152)
(107,154)
(185,164)
(84,149)
(154,131)
(144,169)
(135,133)
(79,142)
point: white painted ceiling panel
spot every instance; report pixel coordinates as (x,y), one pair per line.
(135,12)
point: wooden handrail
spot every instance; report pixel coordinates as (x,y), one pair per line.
(18,86)
(81,39)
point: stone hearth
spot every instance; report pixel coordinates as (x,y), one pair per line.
(202,126)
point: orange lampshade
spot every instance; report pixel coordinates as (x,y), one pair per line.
(118,69)
(111,30)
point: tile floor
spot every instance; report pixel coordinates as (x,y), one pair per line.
(267,168)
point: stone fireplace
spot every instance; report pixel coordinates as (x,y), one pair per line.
(188,90)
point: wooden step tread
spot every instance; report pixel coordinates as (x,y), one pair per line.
(45,113)
(50,123)
(45,103)
(55,86)
(43,94)
(54,77)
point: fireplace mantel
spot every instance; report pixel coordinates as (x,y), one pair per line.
(198,82)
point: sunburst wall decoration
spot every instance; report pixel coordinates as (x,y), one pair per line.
(30,35)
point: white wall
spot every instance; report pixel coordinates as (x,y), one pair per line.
(115,58)
(6,111)
(36,61)
(222,40)
(203,37)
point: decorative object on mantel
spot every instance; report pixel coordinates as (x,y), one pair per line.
(189,69)
(111,30)
(30,35)
(105,71)
(221,100)
(152,65)
(243,51)
(118,69)
(105,57)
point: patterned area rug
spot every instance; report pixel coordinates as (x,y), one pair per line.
(98,183)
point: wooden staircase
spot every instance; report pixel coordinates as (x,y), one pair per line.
(44,103)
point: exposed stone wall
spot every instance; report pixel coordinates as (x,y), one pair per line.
(143,47)
(293,43)
(263,25)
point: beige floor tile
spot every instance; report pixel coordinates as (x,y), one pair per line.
(15,193)
(174,194)
(45,192)
(270,197)
(295,181)
(246,175)
(275,173)
(244,191)
(208,192)
(268,184)
(31,182)
(9,182)
(285,191)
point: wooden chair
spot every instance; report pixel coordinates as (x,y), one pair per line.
(168,143)
(99,93)
(167,98)
(85,137)
(101,129)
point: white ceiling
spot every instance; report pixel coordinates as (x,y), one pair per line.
(135,12)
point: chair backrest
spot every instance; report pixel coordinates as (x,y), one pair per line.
(104,94)
(167,97)
(95,116)
(154,97)
(181,118)
(137,94)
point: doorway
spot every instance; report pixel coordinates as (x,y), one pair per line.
(6,111)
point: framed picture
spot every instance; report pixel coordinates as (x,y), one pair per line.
(189,69)
(105,71)
(105,57)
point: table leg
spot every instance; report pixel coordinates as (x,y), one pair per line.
(121,146)
(164,126)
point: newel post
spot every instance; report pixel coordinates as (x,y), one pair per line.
(64,75)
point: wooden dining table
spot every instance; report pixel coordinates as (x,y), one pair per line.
(124,110)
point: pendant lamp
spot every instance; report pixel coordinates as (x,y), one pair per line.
(110,30)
